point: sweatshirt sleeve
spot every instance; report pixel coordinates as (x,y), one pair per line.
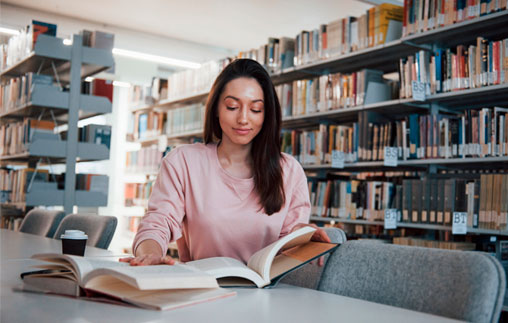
(299,200)
(166,206)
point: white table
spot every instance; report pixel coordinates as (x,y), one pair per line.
(282,304)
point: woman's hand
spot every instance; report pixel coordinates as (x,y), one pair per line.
(148,260)
(319,236)
(148,253)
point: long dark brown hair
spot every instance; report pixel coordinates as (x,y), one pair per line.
(265,149)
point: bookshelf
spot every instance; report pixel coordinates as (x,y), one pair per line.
(70,65)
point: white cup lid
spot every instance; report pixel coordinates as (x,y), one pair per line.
(74,234)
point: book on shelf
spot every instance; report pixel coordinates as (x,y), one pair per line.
(165,287)
(17,92)
(430,200)
(98,87)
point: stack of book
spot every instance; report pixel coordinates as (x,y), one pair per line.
(186,119)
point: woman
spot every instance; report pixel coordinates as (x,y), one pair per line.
(235,194)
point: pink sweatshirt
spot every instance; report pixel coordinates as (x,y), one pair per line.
(216,213)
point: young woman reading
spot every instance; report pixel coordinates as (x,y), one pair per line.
(234,194)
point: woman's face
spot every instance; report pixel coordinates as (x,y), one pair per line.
(241,111)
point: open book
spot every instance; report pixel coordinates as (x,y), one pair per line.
(267,266)
(153,287)
(166,287)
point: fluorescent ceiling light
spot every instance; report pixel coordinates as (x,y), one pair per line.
(155,58)
(89,79)
(121,84)
(9,31)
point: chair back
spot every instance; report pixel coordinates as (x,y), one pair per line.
(41,222)
(464,285)
(308,276)
(100,229)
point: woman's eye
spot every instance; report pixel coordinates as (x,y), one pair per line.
(231,108)
(256,111)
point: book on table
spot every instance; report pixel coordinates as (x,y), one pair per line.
(167,287)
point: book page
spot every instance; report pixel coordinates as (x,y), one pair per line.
(156,299)
(156,277)
(221,267)
(261,261)
(80,266)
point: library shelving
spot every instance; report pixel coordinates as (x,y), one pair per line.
(69,65)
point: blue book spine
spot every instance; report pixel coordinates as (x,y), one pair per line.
(414,132)
(439,74)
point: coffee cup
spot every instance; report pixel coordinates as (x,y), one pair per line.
(74,242)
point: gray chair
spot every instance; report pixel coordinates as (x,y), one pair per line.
(308,276)
(41,222)
(100,229)
(463,285)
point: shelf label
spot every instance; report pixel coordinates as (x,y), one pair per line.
(459,223)
(338,158)
(391,156)
(390,218)
(419,90)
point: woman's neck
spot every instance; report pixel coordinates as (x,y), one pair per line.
(235,159)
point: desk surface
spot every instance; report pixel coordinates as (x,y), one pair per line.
(282,304)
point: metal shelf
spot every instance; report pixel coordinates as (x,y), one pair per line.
(169,103)
(490,26)
(472,98)
(385,57)
(487,161)
(55,151)
(47,97)
(51,49)
(409,225)
(187,134)
(47,194)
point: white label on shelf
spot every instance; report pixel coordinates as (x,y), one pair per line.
(493,238)
(418,90)
(390,218)
(459,223)
(391,156)
(431,23)
(338,158)
(440,19)
(359,213)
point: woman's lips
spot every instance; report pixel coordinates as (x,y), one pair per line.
(242,131)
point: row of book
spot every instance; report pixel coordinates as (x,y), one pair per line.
(195,81)
(18,90)
(463,67)
(98,87)
(420,16)
(137,194)
(21,45)
(378,25)
(10,223)
(426,243)
(16,183)
(185,119)
(335,91)
(423,201)
(474,133)
(147,124)
(94,133)
(145,160)
(16,137)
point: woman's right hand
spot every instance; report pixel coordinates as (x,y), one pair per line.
(148,260)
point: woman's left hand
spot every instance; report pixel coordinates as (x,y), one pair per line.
(319,236)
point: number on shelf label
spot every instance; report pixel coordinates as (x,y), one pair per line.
(418,89)
(390,218)
(338,158)
(459,223)
(391,156)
